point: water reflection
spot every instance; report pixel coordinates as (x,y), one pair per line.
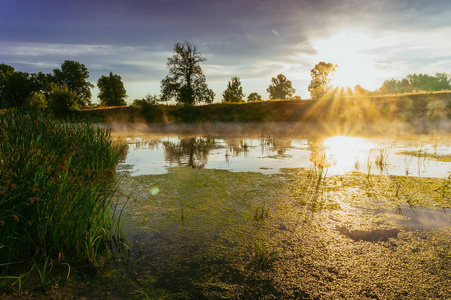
(192,152)
(270,155)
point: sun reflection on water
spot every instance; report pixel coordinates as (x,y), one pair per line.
(346,153)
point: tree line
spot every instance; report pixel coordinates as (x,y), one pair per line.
(62,90)
(68,88)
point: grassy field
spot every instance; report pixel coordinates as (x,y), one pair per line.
(408,107)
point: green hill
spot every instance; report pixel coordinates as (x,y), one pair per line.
(406,107)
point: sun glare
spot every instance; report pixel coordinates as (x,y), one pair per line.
(344,152)
(350,51)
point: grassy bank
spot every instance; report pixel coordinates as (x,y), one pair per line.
(409,107)
(55,188)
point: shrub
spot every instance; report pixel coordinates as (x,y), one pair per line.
(63,100)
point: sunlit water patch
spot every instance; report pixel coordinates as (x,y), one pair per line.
(268,155)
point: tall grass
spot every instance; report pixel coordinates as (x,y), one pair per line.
(55,187)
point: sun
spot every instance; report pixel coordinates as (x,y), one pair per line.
(351,51)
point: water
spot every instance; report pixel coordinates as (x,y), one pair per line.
(270,155)
(271,214)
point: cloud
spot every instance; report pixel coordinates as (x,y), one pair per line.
(253,39)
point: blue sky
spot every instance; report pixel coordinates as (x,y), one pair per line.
(370,40)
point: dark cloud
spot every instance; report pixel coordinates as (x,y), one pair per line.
(248,36)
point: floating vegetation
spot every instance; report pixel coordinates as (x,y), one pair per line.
(427,155)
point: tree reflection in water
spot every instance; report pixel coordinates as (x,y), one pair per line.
(192,152)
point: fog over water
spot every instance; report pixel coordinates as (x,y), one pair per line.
(269,148)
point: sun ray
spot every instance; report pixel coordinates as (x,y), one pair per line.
(350,50)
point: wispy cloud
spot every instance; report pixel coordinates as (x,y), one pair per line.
(251,39)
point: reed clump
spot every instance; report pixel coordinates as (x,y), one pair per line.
(55,188)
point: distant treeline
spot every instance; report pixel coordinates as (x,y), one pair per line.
(68,89)
(417,82)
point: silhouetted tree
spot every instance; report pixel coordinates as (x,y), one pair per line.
(74,76)
(111,90)
(20,88)
(280,88)
(15,89)
(5,72)
(234,91)
(254,97)
(42,83)
(186,82)
(148,108)
(320,83)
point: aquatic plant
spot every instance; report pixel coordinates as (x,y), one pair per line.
(381,159)
(55,187)
(357,164)
(263,257)
(43,274)
(368,168)
(261,212)
(320,166)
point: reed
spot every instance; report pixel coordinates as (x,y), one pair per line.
(55,187)
(381,159)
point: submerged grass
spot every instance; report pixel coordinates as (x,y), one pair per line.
(55,188)
(256,236)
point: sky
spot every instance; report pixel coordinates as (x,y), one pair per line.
(370,40)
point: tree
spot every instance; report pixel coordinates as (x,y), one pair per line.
(147,100)
(186,82)
(234,91)
(444,81)
(320,83)
(254,97)
(424,82)
(5,72)
(74,76)
(359,90)
(63,100)
(15,89)
(389,87)
(19,88)
(280,88)
(417,82)
(42,83)
(36,101)
(111,90)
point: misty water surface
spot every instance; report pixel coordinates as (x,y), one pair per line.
(268,154)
